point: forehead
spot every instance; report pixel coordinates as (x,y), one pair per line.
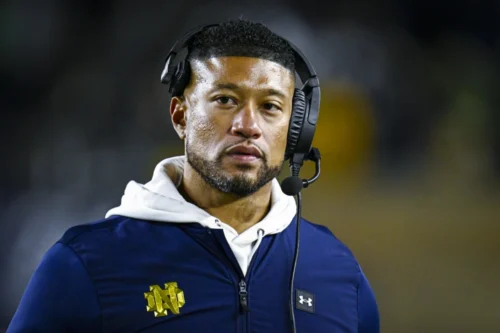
(246,72)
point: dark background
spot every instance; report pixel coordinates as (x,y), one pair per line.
(409,132)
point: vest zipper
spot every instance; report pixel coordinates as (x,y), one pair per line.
(243,296)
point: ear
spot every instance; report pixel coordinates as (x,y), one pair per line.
(178,116)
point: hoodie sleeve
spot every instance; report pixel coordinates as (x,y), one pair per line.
(60,297)
(368,315)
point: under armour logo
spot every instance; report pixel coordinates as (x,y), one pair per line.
(304,301)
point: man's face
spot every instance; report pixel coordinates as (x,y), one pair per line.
(237,112)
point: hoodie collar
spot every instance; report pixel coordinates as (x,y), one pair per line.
(159,200)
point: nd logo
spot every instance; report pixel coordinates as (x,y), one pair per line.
(161,300)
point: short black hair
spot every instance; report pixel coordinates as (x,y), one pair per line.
(241,38)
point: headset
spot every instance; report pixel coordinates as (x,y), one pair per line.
(305,112)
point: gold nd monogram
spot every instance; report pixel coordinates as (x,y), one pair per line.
(159,300)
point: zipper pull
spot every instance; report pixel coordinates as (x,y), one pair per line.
(244,297)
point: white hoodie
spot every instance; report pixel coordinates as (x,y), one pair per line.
(159,200)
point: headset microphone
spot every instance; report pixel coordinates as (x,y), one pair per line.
(293,185)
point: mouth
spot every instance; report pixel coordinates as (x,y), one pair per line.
(245,153)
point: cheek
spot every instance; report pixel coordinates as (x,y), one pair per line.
(278,142)
(202,132)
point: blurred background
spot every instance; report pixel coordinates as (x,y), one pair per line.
(409,131)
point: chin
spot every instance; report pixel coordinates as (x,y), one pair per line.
(243,169)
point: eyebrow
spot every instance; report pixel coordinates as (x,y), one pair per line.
(233,86)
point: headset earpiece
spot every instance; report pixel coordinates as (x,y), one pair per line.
(180,78)
(299,108)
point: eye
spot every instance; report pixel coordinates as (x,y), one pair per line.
(271,107)
(225,100)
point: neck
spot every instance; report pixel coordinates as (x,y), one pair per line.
(240,213)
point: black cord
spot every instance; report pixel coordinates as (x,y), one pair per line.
(294,265)
(315,156)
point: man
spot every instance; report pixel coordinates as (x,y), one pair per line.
(208,243)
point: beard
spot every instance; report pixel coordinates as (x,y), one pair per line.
(240,185)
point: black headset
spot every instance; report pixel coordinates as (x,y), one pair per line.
(306,101)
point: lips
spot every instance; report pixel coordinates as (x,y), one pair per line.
(248,151)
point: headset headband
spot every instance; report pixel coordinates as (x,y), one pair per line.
(302,65)
(169,69)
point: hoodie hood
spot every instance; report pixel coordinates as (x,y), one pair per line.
(159,200)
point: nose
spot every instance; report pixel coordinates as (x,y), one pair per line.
(246,123)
